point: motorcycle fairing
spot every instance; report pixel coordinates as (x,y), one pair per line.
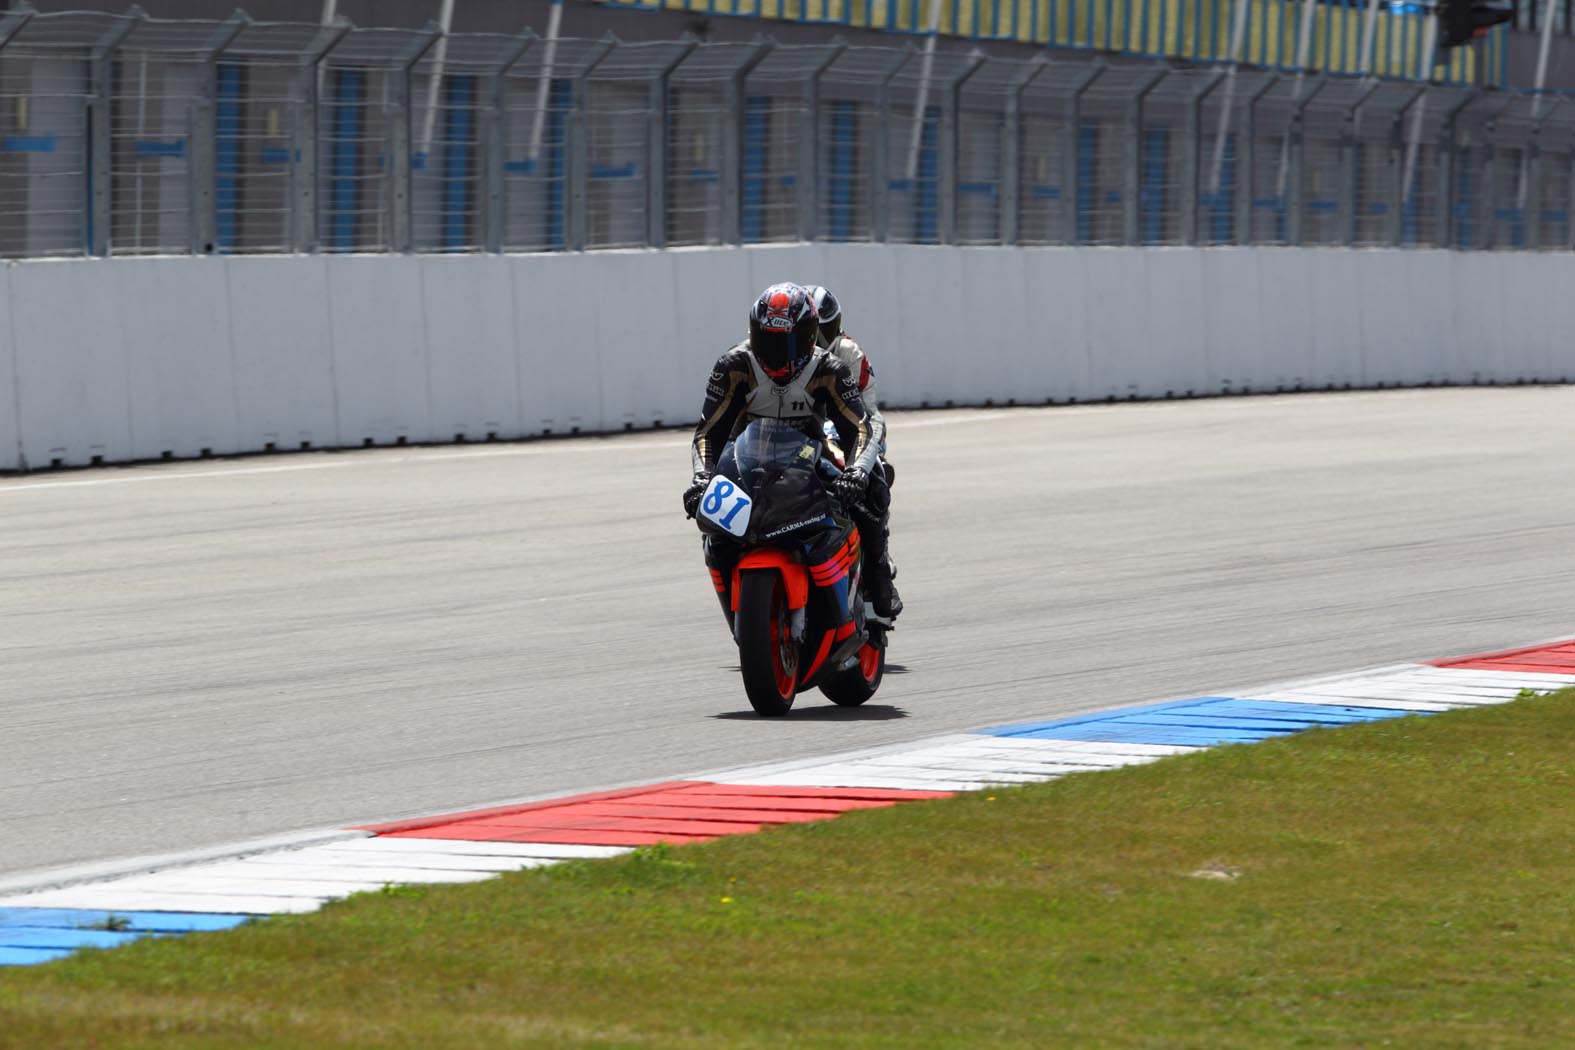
(795,578)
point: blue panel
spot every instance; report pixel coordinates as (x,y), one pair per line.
(843,146)
(1220,205)
(275,155)
(344,189)
(1087,148)
(30,956)
(1151,200)
(976,189)
(1045,193)
(926,197)
(227,157)
(519,167)
(557,144)
(613,171)
(28,144)
(458,120)
(704,175)
(752,198)
(152,148)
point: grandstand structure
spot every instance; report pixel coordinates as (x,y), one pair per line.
(291,127)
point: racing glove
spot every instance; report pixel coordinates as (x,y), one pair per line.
(851,485)
(693,493)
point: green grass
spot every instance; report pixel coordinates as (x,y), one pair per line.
(1403,883)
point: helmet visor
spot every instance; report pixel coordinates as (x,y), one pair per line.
(777,351)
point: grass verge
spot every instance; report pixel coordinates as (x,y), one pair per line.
(1409,882)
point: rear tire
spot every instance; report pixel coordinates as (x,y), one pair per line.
(857,684)
(767,654)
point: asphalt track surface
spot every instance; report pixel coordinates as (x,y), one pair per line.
(206,652)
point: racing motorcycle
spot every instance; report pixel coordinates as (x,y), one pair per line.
(795,600)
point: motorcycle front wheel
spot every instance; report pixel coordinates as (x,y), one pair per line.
(858,683)
(767,654)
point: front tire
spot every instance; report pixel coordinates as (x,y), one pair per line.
(767,654)
(857,684)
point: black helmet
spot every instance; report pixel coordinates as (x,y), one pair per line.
(829,312)
(782,329)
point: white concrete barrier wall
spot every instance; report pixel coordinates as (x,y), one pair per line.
(116,360)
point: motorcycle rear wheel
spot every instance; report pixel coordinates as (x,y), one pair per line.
(857,684)
(767,654)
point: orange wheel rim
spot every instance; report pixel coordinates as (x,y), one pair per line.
(784,658)
(869,662)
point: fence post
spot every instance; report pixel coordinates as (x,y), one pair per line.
(401,129)
(1295,187)
(1487,209)
(1132,172)
(1012,150)
(579,166)
(203,136)
(100,134)
(1569,220)
(1350,133)
(656,152)
(304,134)
(733,143)
(494,150)
(1447,181)
(1247,164)
(880,160)
(1191,214)
(1397,147)
(950,132)
(1071,177)
(1532,194)
(807,181)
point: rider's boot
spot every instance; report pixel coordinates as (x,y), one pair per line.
(884,598)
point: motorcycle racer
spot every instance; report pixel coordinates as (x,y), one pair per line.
(875,523)
(781,372)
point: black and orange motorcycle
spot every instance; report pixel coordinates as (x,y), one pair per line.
(795,598)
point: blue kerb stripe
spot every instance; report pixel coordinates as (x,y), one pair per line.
(459,116)
(1196,723)
(36,935)
(844,131)
(227,157)
(28,144)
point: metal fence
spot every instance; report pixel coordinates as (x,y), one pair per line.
(1387,37)
(125,135)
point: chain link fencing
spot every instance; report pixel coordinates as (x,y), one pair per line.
(126,135)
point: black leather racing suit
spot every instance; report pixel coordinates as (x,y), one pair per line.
(825,388)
